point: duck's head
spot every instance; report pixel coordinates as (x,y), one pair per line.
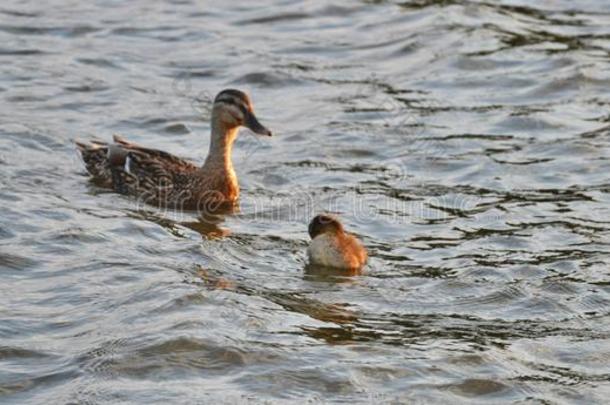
(233,108)
(324,223)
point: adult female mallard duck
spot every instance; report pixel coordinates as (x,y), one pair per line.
(162,179)
(331,246)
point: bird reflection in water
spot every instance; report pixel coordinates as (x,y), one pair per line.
(317,273)
(208,224)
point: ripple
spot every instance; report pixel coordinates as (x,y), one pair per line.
(178,356)
(473,387)
(15,262)
(21,52)
(276,18)
(465,143)
(19,353)
(178,128)
(99,62)
(267,79)
(63,31)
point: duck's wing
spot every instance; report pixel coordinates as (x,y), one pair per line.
(133,169)
(152,156)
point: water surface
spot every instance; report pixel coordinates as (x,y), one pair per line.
(467,143)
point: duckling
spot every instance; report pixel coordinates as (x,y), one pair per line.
(162,179)
(331,246)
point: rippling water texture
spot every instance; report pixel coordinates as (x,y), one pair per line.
(467,143)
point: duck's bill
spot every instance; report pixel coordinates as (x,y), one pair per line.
(255,126)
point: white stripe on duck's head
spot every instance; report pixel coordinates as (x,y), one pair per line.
(233,108)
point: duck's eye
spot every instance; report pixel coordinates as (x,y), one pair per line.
(231,113)
(237,113)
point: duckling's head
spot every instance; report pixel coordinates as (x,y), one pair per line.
(324,223)
(233,108)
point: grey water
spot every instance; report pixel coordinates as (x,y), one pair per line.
(466,143)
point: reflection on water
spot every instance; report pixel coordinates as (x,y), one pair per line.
(330,274)
(465,142)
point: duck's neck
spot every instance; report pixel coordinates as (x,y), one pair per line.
(221,145)
(218,162)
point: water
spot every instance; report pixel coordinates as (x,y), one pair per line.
(467,143)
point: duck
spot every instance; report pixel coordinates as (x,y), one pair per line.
(332,247)
(160,178)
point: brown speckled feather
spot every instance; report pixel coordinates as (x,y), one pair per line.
(155,177)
